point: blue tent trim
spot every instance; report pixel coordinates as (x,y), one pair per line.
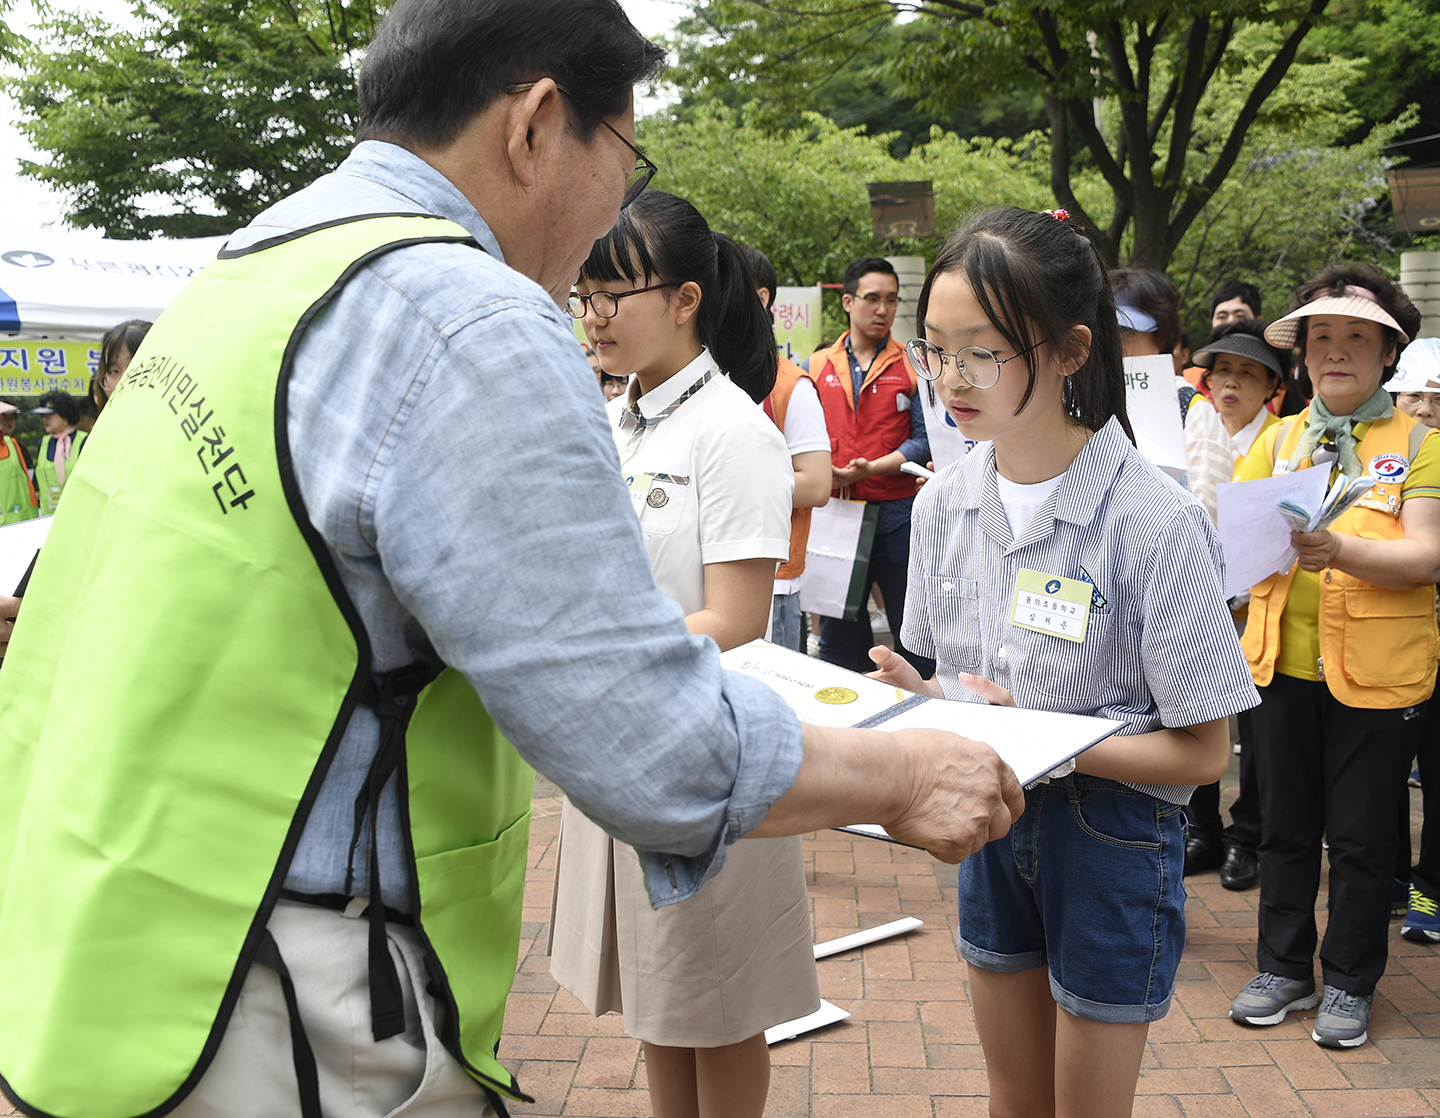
(9,314)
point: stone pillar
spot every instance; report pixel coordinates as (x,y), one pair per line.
(1420,277)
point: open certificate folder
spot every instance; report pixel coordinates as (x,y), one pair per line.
(1032,742)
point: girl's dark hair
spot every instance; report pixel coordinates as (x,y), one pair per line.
(1150,291)
(663,239)
(1036,277)
(64,405)
(1333,280)
(128,335)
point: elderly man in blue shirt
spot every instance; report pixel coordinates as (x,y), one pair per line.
(450,454)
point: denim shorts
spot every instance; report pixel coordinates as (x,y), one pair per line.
(1089,882)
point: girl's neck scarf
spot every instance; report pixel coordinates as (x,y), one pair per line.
(62,452)
(1324,425)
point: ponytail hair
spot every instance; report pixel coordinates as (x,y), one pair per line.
(1037,276)
(662,239)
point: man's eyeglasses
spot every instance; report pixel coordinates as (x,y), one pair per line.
(605,304)
(644,170)
(978,367)
(875,299)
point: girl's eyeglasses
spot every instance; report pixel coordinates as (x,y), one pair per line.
(978,367)
(604,303)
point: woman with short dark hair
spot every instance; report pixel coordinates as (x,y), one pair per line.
(59,449)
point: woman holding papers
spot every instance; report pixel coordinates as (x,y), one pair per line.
(699,981)
(1343,649)
(1056,568)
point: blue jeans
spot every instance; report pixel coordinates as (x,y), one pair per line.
(1089,882)
(785,618)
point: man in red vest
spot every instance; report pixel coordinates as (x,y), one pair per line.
(868,391)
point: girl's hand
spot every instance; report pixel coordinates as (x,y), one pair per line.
(899,672)
(992,693)
(1317,550)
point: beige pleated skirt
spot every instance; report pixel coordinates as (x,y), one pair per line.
(713,970)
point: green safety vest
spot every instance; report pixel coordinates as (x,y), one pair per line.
(17,498)
(48,485)
(176,688)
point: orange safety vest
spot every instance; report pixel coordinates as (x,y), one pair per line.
(787,376)
(1377,646)
(878,425)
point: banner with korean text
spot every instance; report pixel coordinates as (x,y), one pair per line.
(797,321)
(32,368)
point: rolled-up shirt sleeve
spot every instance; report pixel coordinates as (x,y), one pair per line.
(504,527)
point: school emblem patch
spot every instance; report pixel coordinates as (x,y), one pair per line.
(1389,467)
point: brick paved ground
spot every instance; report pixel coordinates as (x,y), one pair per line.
(909,1048)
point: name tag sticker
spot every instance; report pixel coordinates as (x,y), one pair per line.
(1051,604)
(639,486)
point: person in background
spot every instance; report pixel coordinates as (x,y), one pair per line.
(1234,301)
(794,405)
(1416,387)
(611,386)
(1241,373)
(17,492)
(1148,310)
(876,423)
(1342,649)
(117,350)
(59,449)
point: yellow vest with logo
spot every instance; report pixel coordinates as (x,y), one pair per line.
(1377,645)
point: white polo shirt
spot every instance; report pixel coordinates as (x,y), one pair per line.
(713,480)
(1159,648)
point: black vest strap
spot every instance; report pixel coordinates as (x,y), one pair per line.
(305,1074)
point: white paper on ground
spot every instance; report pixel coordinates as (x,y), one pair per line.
(827,1014)
(798,679)
(868,935)
(18,545)
(1254,534)
(1153,405)
(1032,742)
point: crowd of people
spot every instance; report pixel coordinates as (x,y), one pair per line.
(264,843)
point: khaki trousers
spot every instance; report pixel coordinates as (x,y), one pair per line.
(412,1074)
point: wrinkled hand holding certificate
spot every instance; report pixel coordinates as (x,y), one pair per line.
(1256,518)
(1032,742)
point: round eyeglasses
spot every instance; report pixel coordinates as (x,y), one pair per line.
(978,367)
(604,304)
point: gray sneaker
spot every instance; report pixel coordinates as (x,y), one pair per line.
(1268,997)
(1343,1020)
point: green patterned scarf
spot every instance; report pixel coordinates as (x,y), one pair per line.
(1323,425)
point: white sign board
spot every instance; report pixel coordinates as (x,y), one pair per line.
(1154,407)
(947,443)
(797,321)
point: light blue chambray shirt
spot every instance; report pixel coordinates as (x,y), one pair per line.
(451,446)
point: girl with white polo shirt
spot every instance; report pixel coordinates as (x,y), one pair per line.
(1073,926)
(664,299)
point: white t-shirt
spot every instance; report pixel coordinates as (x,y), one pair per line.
(805,431)
(714,477)
(1022,502)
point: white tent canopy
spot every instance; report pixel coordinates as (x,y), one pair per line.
(77,285)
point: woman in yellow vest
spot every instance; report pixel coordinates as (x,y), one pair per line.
(59,449)
(1342,649)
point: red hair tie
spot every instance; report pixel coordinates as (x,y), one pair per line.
(1059,215)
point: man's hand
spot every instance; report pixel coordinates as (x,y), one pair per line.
(964,795)
(1317,550)
(858,470)
(9,607)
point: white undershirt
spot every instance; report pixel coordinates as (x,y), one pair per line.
(1022,502)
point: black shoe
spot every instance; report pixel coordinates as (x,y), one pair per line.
(1202,854)
(1240,870)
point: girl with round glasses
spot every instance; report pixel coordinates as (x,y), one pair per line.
(1054,568)
(664,299)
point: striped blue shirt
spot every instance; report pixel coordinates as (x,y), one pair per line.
(1160,648)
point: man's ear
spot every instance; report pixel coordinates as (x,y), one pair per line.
(531,127)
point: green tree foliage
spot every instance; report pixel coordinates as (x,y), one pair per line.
(800,195)
(1152,60)
(194,123)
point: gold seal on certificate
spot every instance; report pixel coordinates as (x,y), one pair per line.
(836,696)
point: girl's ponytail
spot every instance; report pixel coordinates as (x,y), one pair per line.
(735,325)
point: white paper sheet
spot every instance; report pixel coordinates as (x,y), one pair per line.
(1153,405)
(1255,536)
(827,1014)
(799,679)
(18,545)
(1032,742)
(868,935)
